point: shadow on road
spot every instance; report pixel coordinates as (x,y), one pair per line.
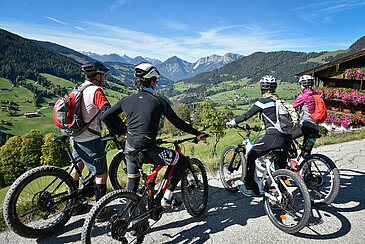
(352,193)
(226,209)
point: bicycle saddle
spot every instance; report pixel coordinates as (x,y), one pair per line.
(59,138)
(135,153)
(312,136)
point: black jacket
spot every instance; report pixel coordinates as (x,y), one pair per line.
(266,105)
(143,112)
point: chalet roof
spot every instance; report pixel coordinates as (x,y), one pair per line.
(353,60)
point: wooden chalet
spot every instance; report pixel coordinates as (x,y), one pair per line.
(334,75)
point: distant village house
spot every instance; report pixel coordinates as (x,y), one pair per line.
(32,115)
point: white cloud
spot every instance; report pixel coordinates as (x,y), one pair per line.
(80,28)
(242,39)
(346,5)
(320,12)
(56,20)
(175,25)
(117,4)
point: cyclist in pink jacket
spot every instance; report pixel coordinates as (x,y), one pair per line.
(306,103)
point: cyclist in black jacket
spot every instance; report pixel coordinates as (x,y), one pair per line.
(143,111)
(272,139)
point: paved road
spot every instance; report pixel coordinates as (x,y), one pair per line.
(233,219)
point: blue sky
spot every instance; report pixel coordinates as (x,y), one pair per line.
(188,29)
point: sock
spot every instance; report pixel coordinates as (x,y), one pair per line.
(168,194)
(100,191)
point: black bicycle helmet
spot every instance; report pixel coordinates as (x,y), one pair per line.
(268,84)
(93,68)
(146,71)
(306,81)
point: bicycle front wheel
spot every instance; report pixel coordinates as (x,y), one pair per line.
(288,204)
(230,167)
(121,224)
(33,206)
(322,178)
(194,188)
(118,172)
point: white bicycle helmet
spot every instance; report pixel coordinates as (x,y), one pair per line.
(146,71)
(306,81)
(268,83)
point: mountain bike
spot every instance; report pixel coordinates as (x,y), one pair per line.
(286,198)
(132,211)
(319,172)
(43,199)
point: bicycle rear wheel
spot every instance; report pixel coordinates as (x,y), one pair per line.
(230,167)
(194,189)
(118,177)
(116,229)
(33,207)
(322,178)
(290,213)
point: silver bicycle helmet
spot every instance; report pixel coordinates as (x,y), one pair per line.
(146,71)
(306,81)
(268,83)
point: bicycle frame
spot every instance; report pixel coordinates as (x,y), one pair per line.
(84,181)
(149,183)
(246,146)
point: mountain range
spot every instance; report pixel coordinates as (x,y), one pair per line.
(173,68)
(34,73)
(281,64)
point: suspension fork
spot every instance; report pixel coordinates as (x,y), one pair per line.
(236,151)
(269,171)
(190,165)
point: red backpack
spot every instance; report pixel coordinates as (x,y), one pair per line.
(320,112)
(67,113)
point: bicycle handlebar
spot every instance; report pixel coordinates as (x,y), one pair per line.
(193,139)
(247,127)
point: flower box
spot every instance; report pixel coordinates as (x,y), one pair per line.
(346,110)
(355,73)
(347,96)
(344,119)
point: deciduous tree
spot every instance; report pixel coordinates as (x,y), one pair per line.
(53,152)
(30,152)
(10,167)
(213,121)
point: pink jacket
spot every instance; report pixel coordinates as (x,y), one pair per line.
(306,97)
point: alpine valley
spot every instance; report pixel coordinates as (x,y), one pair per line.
(35,73)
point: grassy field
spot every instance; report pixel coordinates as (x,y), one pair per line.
(321,59)
(59,81)
(23,97)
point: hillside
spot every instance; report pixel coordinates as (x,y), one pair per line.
(68,52)
(282,64)
(31,76)
(225,82)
